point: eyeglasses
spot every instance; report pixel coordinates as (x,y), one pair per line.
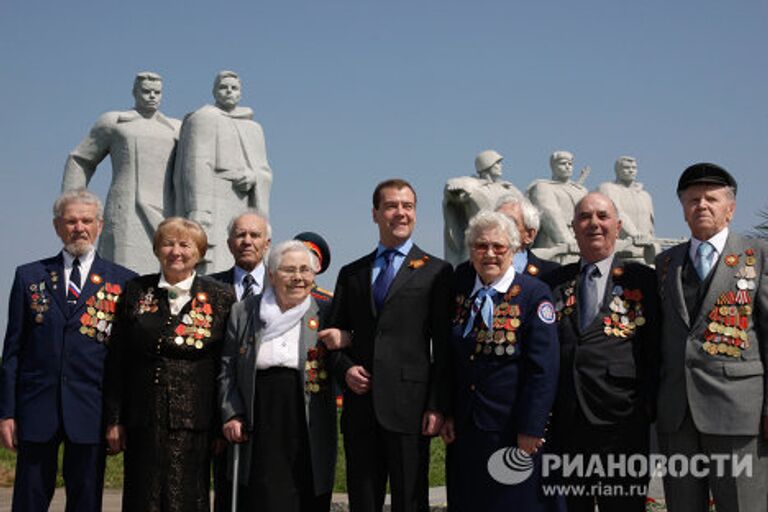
(481,247)
(303,270)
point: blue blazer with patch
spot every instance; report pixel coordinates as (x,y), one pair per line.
(51,374)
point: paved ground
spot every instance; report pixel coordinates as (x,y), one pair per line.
(112,499)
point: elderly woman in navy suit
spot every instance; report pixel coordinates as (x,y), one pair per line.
(505,368)
(276,391)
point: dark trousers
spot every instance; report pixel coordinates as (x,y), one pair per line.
(36,466)
(375,454)
(611,494)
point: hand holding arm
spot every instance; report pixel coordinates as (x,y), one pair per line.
(335,339)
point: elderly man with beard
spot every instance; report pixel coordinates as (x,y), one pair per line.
(59,325)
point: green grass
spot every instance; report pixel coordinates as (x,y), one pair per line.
(113,477)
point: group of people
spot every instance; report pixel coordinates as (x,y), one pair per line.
(508,358)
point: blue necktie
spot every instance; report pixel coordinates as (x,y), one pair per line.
(704,259)
(482,304)
(588,295)
(385,278)
(73,290)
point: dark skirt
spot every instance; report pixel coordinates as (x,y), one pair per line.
(166,470)
(471,488)
(281,474)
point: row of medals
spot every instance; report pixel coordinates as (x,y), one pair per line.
(322,375)
(727,330)
(502,340)
(625,317)
(202,321)
(97,319)
(40,301)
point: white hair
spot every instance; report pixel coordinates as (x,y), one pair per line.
(531,215)
(485,221)
(281,249)
(255,213)
(77,195)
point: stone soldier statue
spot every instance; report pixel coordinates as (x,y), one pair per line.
(556,198)
(141,144)
(464,196)
(222,167)
(636,240)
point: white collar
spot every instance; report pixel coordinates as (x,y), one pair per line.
(183,286)
(717,241)
(257,273)
(501,285)
(85,260)
(604,265)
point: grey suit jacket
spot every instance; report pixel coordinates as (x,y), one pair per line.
(726,392)
(237,382)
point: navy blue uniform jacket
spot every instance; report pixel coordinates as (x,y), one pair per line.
(51,375)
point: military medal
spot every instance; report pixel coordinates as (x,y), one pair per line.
(195,325)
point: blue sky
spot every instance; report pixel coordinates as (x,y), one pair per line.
(351,92)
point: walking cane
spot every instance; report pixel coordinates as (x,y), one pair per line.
(235,475)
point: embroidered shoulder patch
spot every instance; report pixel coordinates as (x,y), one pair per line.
(546,312)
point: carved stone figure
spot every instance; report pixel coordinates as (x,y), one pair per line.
(221,168)
(464,196)
(636,240)
(141,144)
(556,198)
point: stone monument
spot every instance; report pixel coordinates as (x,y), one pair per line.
(464,196)
(556,199)
(637,239)
(221,167)
(141,144)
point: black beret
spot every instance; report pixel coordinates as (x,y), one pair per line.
(705,172)
(317,245)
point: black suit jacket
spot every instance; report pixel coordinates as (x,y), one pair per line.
(225,276)
(611,378)
(403,346)
(145,359)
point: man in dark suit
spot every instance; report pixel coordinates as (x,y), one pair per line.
(527,219)
(59,324)
(395,303)
(607,311)
(249,237)
(713,392)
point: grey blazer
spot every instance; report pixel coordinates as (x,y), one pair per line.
(237,381)
(726,393)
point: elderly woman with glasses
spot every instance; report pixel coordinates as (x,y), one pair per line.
(160,389)
(276,390)
(505,369)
